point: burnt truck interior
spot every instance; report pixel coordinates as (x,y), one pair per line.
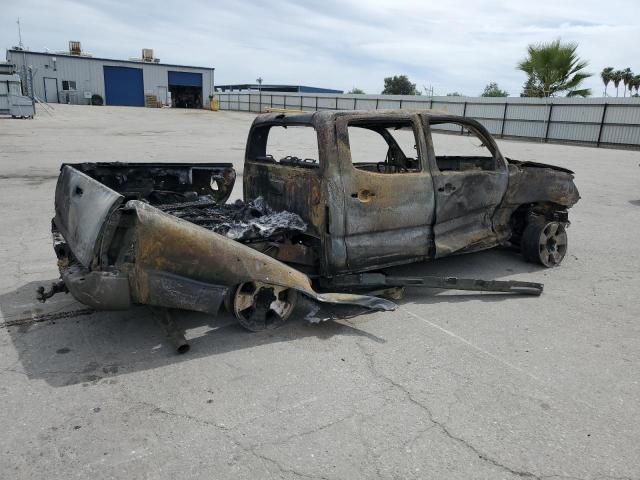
(395,143)
(273,144)
(334,198)
(463,147)
(384,147)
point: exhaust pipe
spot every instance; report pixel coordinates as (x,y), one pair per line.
(174,334)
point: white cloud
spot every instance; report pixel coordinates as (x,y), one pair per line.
(457,46)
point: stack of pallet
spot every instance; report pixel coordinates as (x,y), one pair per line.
(151,101)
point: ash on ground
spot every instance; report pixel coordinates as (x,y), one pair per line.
(241,221)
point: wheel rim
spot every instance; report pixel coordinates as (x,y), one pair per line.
(261,306)
(552,244)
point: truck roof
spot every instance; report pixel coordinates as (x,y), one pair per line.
(330,115)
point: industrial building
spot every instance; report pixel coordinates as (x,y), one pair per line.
(12,102)
(260,87)
(76,77)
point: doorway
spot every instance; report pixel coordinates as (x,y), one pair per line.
(51,90)
(186,89)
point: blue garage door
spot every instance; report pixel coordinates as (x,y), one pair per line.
(123,86)
(185,79)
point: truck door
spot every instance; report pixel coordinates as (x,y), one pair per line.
(388,191)
(470,178)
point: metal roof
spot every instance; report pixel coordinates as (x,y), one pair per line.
(103,59)
(276,88)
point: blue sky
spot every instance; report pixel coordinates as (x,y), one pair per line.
(454,46)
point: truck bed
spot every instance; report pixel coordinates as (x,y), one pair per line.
(133,234)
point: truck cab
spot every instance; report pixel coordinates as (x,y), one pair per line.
(377,188)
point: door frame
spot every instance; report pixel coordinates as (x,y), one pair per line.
(44,83)
(393,223)
(472,229)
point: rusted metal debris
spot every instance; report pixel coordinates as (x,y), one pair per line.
(315,230)
(241,221)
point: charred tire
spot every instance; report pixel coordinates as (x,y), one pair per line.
(261,306)
(544,243)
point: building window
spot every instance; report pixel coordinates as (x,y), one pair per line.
(68,85)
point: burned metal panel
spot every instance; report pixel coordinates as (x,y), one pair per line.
(534,184)
(466,198)
(531,182)
(164,182)
(82,206)
(387,216)
(293,189)
(175,247)
(289,184)
(173,291)
(465,205)
(313,192)
(99,290)
(168,244)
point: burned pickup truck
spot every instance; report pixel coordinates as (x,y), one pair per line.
(330,200)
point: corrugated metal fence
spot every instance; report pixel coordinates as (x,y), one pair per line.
(593,121)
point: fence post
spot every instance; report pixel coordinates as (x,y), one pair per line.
(271,100)
(400,104)
(504,119)
(354,103)
(336,103)
(431,103)
(260,99)
(249,95)
(377,100)
(301,109)
(464,114)
(604,113)
(284,102)
(316,103)
(546,133)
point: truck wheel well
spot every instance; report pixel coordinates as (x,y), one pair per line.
(531,212)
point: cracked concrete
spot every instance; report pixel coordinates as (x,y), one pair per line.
(451,385)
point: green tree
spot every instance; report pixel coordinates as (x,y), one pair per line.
(606,75)
(616,78)
(635,83)
(399,85)
(492,90)
(356,91)
(554,68)
(627,76)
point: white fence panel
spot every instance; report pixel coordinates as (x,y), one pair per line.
(593,121)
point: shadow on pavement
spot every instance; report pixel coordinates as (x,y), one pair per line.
(64,343)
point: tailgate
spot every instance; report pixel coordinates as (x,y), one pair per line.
(82,207)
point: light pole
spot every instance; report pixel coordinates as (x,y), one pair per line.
(259,80)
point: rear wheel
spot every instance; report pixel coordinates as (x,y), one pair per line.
(544,243)
(260,306)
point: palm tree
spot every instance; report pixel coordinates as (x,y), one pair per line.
(636,83)
(553,68)
(606,77)
(616,78)
(627,75)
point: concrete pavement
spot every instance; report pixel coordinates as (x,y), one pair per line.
(451,385)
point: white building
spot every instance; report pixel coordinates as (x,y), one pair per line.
(75,77)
